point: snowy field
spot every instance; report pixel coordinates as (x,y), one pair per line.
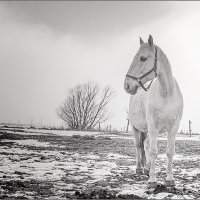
(49,164)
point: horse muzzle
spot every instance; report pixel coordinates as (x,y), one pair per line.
(130,89)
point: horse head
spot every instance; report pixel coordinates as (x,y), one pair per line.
(143,68)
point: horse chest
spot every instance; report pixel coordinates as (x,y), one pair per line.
(165,116)
(144,109)
(137,113)
(166,121)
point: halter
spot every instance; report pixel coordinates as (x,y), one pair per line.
(146,74)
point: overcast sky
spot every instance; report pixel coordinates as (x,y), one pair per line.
(48,47)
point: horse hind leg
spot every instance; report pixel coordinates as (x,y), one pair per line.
(143,137)
(144,152)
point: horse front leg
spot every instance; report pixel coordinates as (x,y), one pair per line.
(138,151)
(170,181)
(139,168)
(153,152)
(148,163)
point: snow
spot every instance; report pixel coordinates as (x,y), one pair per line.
(62,132)
(135,189)
(116,156)
(190,172)
(178,157)
(31,169)
(61,166)
(132,167)
(188,197)
(29,142)
(123,135)
(17,150)
(183,137)
(193,187)
(177,197)
(29,163)
(160,195)
(32,142)
(25,133)
(181,157)
(92,156)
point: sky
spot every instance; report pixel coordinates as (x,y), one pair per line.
(48,47)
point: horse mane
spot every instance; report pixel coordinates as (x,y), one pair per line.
(164,58)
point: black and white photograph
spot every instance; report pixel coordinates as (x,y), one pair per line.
(99,100)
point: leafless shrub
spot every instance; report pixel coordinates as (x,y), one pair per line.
(85,106)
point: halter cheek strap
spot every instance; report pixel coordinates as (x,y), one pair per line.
(154,69)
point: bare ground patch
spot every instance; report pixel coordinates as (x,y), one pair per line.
(51,166)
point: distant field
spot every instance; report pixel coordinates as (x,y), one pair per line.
(52,164)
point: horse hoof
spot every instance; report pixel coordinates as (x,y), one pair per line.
(170,183)
(146,172)
(139,171)
(151,185)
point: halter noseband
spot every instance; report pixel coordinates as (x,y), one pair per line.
(146,74)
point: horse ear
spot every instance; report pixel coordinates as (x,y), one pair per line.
(150,40)
(141,41)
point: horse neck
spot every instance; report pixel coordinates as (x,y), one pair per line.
(165,77)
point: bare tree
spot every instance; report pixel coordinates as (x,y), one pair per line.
(85,106)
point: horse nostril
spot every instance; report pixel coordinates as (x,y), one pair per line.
(127,86)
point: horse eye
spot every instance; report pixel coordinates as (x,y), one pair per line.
(142,58)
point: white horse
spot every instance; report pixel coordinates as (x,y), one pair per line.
(154,109)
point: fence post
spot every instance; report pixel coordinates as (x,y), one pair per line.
(127,126)
(190,130)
